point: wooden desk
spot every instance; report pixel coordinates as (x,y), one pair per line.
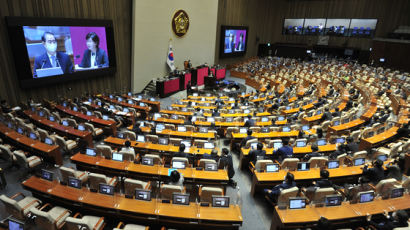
(378,139)
(93,119)
(67,131)
(176,112)
(342,175)
(124,103)
(292,133)
(186,134)
(99,164)
(151,212)
(298,152)
(114,141)
(231,124)
(339,216)
(155,104)
(33,146)
(339,129)
(170,121)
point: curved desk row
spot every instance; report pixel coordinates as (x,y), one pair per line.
(33,146)
(154,173)
(152,212)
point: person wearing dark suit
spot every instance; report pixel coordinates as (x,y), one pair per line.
(286,151)
(398,219)
(246,139)
(215,113)
(188,121)
(181,152)
(225,162)
(241,44)
(375,174)
(351,145)
(250,122)
(94,56)
(136,129)
(52,58)
(336,113)
(327,116)
(274,193)
(324,181)
(257,153)
(314,153)
(212,156)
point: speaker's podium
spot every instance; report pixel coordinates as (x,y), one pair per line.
(49,72)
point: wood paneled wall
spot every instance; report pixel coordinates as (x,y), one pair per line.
(117,10)
(265,19)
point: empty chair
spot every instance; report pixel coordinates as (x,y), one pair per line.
(283,199)
(392,152)
(341,158)
(127,155)
(290,163)
(95,179)
(384,187)
(121,226)
(260,165)
(170,127)
(175,141)
(42,134)
(183,159)
(70,172)
(318,162)
(249,142)
(84,223)
(360,154)
(94,131)
(98,114)
(65,145)
(189,128)
(320,195)
(104,150)
(325,125)
(255,129)
(152,138)
(231,130)
(167,190)
(52,219)
(206,193)
(131,184)
(405,147)
(202,162)
(71,122)
(27,163)
(199,143)
(156,158)
(129,135)
(19,209)
(7,155)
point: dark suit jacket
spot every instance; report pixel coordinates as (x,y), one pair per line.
(324,183)
(101,58)
(226,161)
(374,175)
(254,154)
(353,147)
(62,60)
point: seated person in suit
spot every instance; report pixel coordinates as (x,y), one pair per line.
(336,113)
(52,58)
(136,129)
(257,154)
(94,56)
(351,146)
(212,156)
(225,162)
(181,152)
(286,151)
(375,174)
(188,121)
(398,219)
(274,193)
(246,139)
(404,131)
(176,178)
(215,113)
(324,181)
(314,153)
(127,147)
(327,116)
(250,122)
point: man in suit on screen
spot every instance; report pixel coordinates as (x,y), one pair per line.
(52,58)
(241,44)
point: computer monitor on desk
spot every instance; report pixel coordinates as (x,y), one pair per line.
(74,182)
(48,141)
(178,164)
(303,166)
(147,161)
(163,141)
(333,164)
(140,138)
(297,203)
(181,128)
(333,200)
(15,224)
(397,192)
(277,145)
(211,167)
(90,152)
(321,142)
(272,168)
(141,194)
(300,143)
(285,129)
(359,161)
(47,175)
(116,156)
(203,130)
(383,157)
(81,127)
(365,197)
(106,189)
(181,199)
(65,123)
(220,201)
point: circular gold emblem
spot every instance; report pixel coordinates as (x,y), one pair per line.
(180,23)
